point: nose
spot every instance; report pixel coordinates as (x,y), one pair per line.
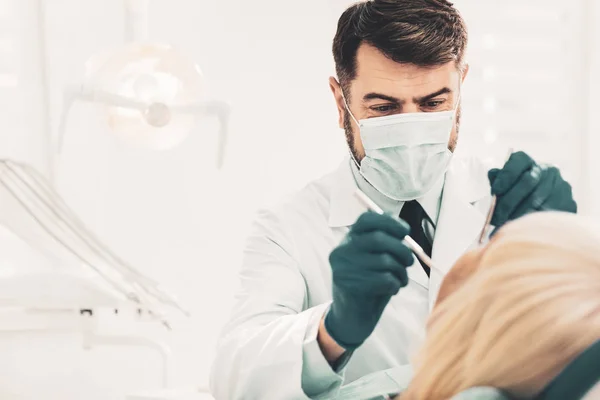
(410,107)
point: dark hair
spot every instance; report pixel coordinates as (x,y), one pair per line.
(425,33)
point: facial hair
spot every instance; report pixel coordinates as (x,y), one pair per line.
(453,142)
(350,137)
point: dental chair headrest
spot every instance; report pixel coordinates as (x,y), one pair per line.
(577,379)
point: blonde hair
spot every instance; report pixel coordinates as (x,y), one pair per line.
(532,306)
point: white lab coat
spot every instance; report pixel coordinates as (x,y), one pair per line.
(268,350)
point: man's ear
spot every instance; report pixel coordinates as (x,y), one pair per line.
(465,73)
(338,95)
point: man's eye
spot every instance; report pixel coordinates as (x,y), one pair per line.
(384,109)
(434,103)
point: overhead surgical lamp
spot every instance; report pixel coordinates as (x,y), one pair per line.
(151,93)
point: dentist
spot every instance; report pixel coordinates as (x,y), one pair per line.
(330,293)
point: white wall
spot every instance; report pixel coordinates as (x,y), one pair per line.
(172,214)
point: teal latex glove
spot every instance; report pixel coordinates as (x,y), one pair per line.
(367,269)
(522,186)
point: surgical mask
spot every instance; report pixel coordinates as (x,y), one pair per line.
(405,154)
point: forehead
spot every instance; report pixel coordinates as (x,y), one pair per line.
(377,73)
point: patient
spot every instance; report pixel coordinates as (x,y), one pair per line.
(514,313)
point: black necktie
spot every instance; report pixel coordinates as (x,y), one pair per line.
(413,214)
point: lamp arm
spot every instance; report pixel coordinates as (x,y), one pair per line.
(90,95)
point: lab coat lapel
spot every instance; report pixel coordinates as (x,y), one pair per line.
(344,207)
(459,225)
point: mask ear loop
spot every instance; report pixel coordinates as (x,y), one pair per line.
(348,109)
(357,124)
(459,98)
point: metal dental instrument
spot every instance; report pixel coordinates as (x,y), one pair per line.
(15,193)
(51,220)
(408,241)
(47,227)
(490,214)
(151,285)
(56,205)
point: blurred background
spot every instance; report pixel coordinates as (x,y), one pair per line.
(535,71)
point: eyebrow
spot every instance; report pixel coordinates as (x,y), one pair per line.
(440,92)
(391,99)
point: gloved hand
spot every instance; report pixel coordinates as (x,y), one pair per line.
(368,269)
(522,186)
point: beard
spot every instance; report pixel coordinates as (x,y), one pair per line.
(350,137)
(349,132)
(453,142)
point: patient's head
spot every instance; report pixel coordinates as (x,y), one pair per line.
(514,313)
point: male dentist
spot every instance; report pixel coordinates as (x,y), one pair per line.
(329,293)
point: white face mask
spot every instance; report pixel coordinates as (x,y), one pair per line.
(405,154)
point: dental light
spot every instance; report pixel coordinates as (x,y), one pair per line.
(151,93)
